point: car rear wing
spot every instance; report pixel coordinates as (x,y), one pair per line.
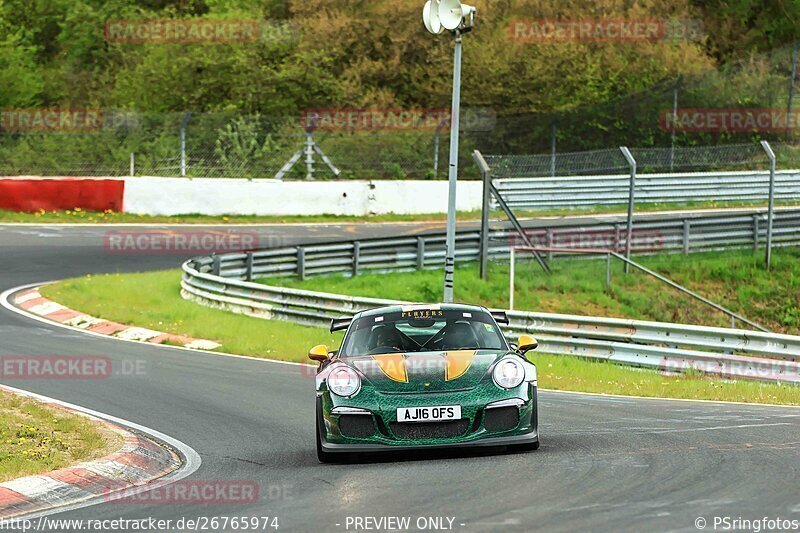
(338,324)
(500,317)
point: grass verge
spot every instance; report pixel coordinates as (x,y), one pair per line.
(735,279)
(80,216)
(36,438)
(153,300)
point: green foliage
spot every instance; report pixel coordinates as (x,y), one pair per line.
(358,54)
(735,279)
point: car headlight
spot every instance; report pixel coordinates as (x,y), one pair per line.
(344,381)
(508,373)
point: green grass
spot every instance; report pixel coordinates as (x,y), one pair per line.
(576,374)
(80,216)
(153,300)
(36,438)
(735,279)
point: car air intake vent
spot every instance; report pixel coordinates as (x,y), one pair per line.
(501,418)
(430,430)
(356,426)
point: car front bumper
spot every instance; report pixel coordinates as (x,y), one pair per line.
(386,437)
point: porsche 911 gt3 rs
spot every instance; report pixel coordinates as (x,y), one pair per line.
(424,376)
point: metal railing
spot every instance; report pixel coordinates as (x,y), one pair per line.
(587,191)
(223,281)
(609,254)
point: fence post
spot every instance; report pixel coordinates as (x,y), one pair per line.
(249,267)
(674,120)
(756,230)
(133,165)
(301,263)
(487,182)
(553,131)
(420,253)
(511,280)
(791,86)
(686,236)
(356,257)
(771,208)
(183,143)
(631,193)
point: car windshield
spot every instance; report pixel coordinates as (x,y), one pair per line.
(422,330)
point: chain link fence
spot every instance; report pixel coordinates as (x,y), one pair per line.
(672,123)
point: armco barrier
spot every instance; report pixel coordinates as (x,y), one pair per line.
(577,191)
(222,282)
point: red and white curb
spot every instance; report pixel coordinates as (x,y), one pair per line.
(139,462)
(33,302)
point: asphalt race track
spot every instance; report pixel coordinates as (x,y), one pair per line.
(606,463)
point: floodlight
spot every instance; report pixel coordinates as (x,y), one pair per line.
(453,14)
(430,17)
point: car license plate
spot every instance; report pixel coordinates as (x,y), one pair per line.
(428,414)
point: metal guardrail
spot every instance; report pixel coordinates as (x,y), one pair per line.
(576,191)
(609,254)
(222,281)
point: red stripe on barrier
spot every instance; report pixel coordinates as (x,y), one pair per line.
(29,195)
(12,502)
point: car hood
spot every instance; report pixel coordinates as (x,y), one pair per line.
(416,372)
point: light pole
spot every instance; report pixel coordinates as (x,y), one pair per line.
(451,15)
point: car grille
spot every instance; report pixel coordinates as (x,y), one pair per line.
(430,430)
(357,426)
(501,418)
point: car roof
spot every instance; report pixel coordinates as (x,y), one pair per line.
(412,307)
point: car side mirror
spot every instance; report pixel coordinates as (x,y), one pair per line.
(318,353)
(526,343)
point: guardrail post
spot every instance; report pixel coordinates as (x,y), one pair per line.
(420,253)
(549,245)
(771,209)
(183,143)
(686,236)
(487,181)
(617,238)
(511,280)
(301,263)
(356,257)
(756,220)
(249,265)
(216,264)
(631,193)
(608,273)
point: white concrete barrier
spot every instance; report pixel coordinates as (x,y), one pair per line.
(210,196)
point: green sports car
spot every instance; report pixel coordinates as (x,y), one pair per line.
(424,376)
